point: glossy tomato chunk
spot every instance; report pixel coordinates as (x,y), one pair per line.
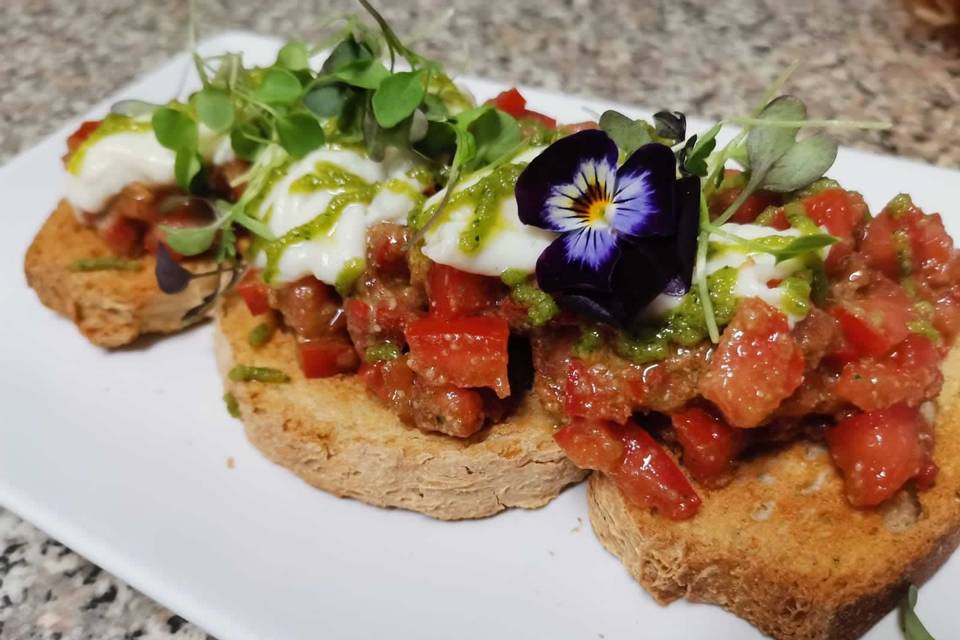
(255,293)
(642,469)
(123,235)
(840,211)
(875,325)
(463,352)
(448,409)
(877,452)
(595,391)
(454,293)
(909,374)
(325,357)
(649,477)
(709,445)
(511,102)
(591,444)
(310,308)
(755,367)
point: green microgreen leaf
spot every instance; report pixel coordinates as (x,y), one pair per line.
(346,52)
(214,108)
(765,145)
(496,134)
(802,246)
(326,101)
(294,56)
(803,163)
(629,134)
(693,157)
(398,96)
(913,629)
(174,129)
(279,86)
(671,125)
(244,142)
(300,133)
(133,108)
(186,166)
(190,241)
(366,74)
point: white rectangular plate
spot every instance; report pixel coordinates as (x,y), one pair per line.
(122,456)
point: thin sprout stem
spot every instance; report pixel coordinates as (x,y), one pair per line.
(774,88)
(811,124)
(700,268)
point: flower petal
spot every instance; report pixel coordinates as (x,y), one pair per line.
(578,168)
(687,204)
(644,192)
(562,265)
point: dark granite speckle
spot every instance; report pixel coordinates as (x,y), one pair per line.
(704,57)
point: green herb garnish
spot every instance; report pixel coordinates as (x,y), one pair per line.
(233,408)
(105,264)
(260,334)
(382,352)
(244,373)
(913,629)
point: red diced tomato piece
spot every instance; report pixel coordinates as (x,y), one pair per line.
(454,293)
(909,374)
(579,126)
(387,248)
(464,352)
(393,382)
(875,325)
(649,477)
(325,357)
(81,134)
(450,410)
(837,210)
(594,391)
(643,471)
(254,292)
(756,366)
(123,235)
(877,452)
(911,237)
(709,446)
(512,102)
(309,307)
(591,444)
(543,119)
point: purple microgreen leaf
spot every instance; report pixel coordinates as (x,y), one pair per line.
(171,277)
(670,125)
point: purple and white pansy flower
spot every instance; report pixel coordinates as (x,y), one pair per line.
(627,233)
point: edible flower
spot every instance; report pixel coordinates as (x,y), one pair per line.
(627,233)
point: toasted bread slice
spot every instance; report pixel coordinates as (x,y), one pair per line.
(336,437)
(780,546)
(111,308)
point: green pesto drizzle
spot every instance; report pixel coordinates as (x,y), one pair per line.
(105,264)
(485,197)
(112,124)
(348,275)
(327,176)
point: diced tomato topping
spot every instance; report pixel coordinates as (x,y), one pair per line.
(393,382)
(709,446)
(837,210)
(594,391)
(123,235)
(543,119)
(579,126)
(325,357)
(310,308)
(448,409)
(875,325)
(909,374)
(81,134)
(909,241)
(511,102)
(387,248)
(463,352)
(591,444)
(755,367)
(254,292)
(752,207)
(454,293)
(649,477)
(877,452)
(642,469)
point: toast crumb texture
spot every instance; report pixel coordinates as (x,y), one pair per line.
(781,548)
(336,437)
(110,308)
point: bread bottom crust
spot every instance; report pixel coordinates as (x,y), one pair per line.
(781,548)
(110,308)
(336,437)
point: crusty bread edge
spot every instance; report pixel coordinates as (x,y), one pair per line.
(110,308)
(353,447)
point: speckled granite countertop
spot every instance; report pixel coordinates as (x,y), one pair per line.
(705,57)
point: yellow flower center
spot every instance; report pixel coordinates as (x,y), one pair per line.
(597,211)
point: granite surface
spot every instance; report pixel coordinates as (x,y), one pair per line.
(862,59)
